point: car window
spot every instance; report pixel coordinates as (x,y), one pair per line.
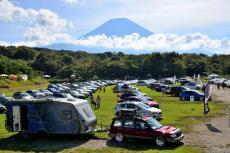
(129,124)
(140,125)
(131,106)
(122,105)
(117,123)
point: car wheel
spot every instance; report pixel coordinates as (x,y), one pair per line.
(119,137)
(160,141)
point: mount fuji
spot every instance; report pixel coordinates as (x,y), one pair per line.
(118,27)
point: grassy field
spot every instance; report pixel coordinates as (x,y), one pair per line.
(14,86)
(175,112)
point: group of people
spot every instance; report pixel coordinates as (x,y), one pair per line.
(220,84)
(100,89)
(95,103)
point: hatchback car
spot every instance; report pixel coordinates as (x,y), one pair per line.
(140,107)
(143,128)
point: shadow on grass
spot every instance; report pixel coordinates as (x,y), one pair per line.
(58,143)
(212,128)
(141,145)
(38,143)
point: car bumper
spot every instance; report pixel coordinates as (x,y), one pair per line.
(111,135)
(177,139)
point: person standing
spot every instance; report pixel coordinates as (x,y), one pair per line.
(98,101)
(93,103)
(218,85)
(104,89)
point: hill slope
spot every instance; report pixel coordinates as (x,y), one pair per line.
(119,27)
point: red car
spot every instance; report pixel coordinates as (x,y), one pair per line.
(143,128)
(140,99)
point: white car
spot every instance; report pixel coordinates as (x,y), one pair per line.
(139,106)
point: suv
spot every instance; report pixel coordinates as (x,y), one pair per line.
(140,107)
(143,128)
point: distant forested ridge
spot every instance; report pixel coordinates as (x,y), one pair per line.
(108,65)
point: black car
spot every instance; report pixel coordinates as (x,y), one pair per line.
(154,85)
(161,88)
(175,91)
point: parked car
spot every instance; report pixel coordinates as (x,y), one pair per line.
(83,92)
(193,85)
(154,85)
(46,92)
(146,127)
(140,107)
(4,100)
(2,109)
(36,93)
(140,99)
(22,95)
(187,94)
(76,94)
(142,83)
(161,88)
(176,90)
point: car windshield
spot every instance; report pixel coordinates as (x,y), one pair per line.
(154,123)
(143,106)
(25,94)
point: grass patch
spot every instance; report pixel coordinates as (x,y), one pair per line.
(14,86)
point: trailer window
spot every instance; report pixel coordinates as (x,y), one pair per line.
(67,114)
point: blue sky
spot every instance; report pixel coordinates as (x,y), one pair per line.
(40,22)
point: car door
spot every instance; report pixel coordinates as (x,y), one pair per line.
(129,129)
(142,130)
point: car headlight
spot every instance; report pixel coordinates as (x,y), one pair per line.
(173,135)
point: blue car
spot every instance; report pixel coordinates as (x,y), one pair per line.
(187,94)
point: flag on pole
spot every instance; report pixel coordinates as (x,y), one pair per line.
(207,95)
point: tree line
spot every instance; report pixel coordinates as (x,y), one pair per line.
(109,65)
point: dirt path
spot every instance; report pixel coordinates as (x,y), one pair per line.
(213,134)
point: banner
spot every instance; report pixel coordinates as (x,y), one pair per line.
(207,95)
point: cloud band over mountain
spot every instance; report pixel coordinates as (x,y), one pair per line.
(155,42)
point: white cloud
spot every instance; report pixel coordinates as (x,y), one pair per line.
(71,1)
(44,25)
(155,42)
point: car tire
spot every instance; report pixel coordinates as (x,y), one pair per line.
(160,141)
(119,137)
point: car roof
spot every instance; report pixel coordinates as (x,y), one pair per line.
(132,102)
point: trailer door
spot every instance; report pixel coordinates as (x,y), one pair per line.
(16,118)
